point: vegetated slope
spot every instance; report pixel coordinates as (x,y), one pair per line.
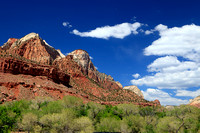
(30,67)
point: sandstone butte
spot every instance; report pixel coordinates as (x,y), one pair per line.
(195,102)
(30,67)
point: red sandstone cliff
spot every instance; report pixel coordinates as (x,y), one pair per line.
(86,66)
(32,47)
(29,67)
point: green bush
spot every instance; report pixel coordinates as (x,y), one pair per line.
(108,124)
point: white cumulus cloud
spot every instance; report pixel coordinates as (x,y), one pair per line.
(177,66)
(137,75)
(161,28)
(188,93)
(163,97)
(158,28)
(176,80)
(117,31)
(177,41)
(170,64)
(168,72)
(147,32)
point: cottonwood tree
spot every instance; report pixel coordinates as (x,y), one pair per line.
(29,121)
(169,124)
(188,116)
(94,109)
(136,123)
(83,125)
(59,122)
(109,124)
(128,109)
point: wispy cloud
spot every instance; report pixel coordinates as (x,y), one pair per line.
(117,31)
(67,24)
(133,18)
(91,57)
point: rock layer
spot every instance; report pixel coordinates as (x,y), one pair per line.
(34,48)
(14,66)
(9,43)
(134,89)
(195,102)
(82,58)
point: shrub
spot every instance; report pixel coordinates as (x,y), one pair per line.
(108,124)
(83,125)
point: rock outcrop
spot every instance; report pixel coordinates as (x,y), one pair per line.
(20,86)
(14,66)
(32,47)
(195,102)
(82,58)
(134,89)
(9,43)
(119,84)
(169,107)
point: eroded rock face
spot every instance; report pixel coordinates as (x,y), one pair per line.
(9,65)
(119,84)
(195,102)
(157,101)
(134,89)
(82,58)
(32,47)
(21,86)
(9,43)
(169,107)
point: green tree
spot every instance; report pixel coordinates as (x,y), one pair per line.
(169,124)
(52,107)
(39,102)
(28,122)
(72,102)
(189,117)
(147,111)
(109,111)
(9,113)
(190,122)
(83,125)
(94,109)
(151,122)
(58,122)
(136,123)
(109,124)
(128,109)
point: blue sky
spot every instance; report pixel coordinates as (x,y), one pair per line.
(152,44)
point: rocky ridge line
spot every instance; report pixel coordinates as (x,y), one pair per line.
(31,55)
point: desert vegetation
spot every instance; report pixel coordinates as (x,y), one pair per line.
(71,115)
